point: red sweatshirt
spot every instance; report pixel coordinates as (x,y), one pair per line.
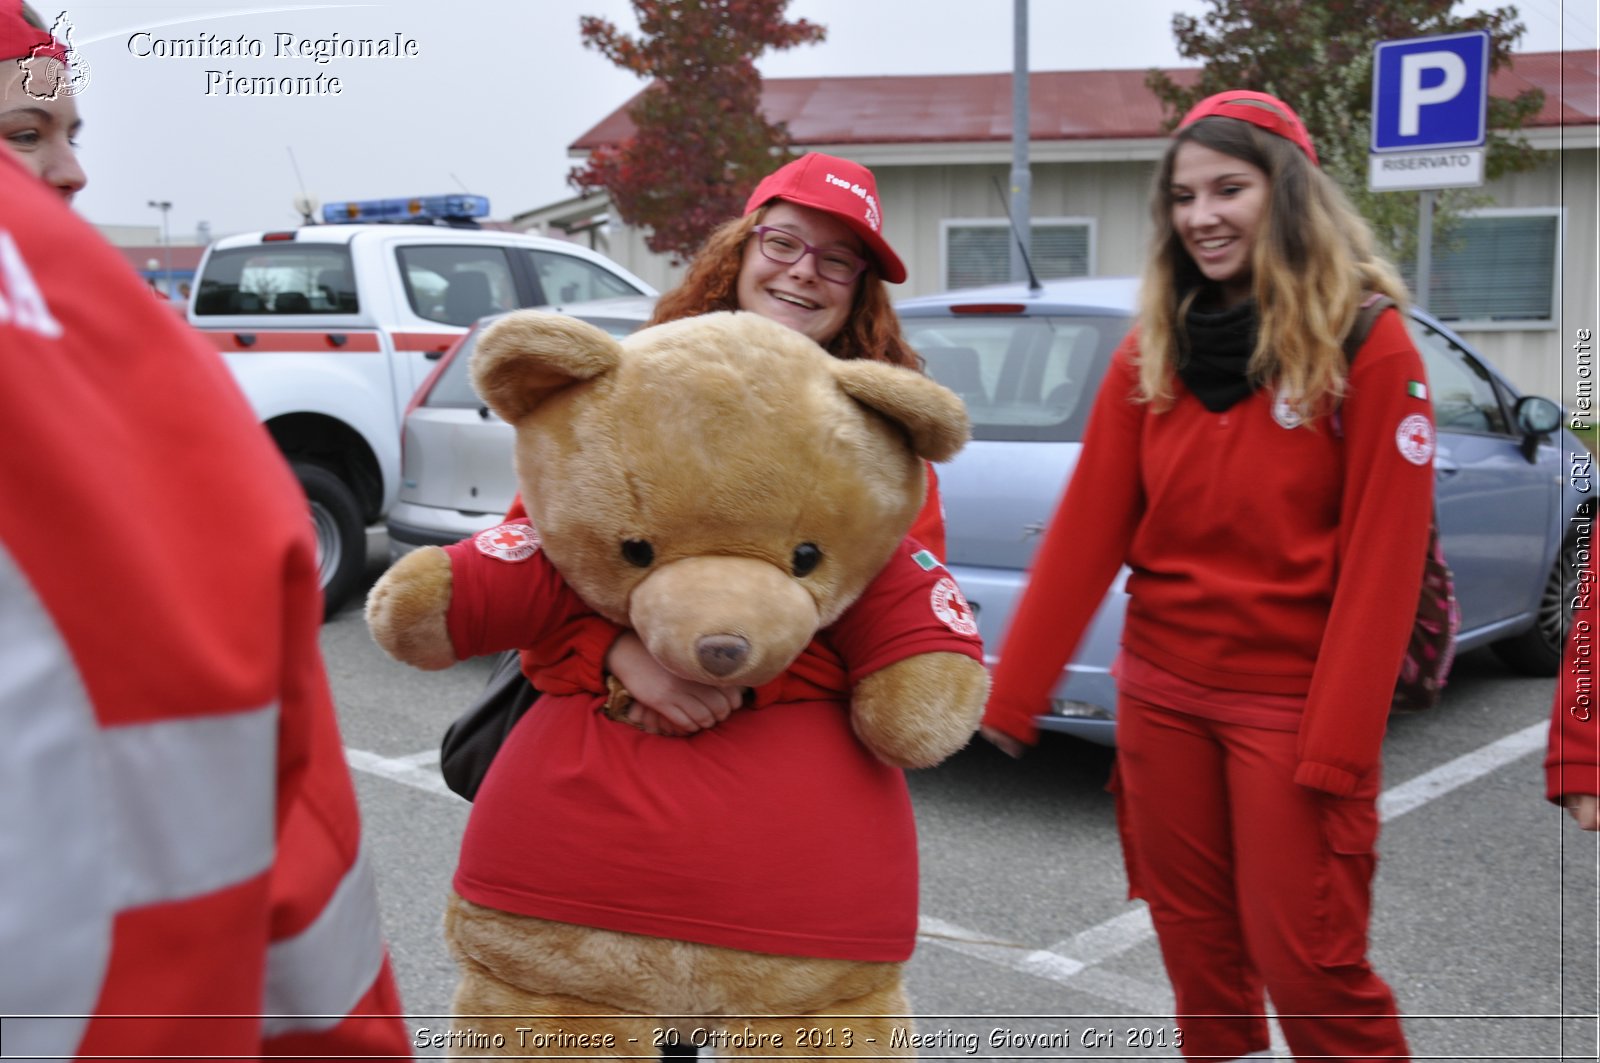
(776,831)
(1572,764)
(1264,558)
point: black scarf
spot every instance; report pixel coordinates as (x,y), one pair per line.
(1215,348)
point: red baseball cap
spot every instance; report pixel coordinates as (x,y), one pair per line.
(839,187)
(1259,109)
(18,40)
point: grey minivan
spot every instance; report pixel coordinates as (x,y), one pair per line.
(1028,364)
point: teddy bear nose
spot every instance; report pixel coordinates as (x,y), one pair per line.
(722,654)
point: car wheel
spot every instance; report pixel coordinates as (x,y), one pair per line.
(341,539)
(1537,651)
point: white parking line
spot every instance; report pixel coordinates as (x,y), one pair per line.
(1075,961)
(414,770)
(1417,792)
(1076,957)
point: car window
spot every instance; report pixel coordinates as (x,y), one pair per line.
(570,279)
(1463,391)
(457,285)
(453,386)
(277,278)
(1022,378)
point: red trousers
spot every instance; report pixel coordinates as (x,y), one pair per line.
(1255,885)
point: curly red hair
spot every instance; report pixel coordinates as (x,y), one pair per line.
(872,330)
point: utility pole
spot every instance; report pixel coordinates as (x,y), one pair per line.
(164,206)
(1021,178)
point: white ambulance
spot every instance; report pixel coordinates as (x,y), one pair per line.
(330,328)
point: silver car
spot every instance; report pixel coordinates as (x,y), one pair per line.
(1028,364)
(455,463)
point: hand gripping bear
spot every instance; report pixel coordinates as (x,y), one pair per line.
(740,499)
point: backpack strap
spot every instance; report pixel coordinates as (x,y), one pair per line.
(1367,313)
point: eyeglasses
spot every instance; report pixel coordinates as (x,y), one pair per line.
(833,264)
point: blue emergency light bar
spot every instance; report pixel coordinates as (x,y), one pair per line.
(416,208)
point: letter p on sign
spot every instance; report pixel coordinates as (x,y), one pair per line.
(1430,92)
(1414,97)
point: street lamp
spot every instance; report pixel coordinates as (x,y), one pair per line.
(165,205)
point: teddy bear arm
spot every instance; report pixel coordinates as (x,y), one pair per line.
(407,608)
(916,712)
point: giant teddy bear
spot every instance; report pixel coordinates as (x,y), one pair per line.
(740,499)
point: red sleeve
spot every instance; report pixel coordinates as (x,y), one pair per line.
(324,905)
(928,529)
(911,607)
(1386,505)
(507,595)
(1084,546)
(1572,763)
(577,662)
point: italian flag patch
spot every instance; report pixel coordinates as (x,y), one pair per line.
(1417,389)
(926,560)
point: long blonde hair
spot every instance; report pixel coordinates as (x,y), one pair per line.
(1312,262)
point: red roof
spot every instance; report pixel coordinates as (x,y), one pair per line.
(1064,104)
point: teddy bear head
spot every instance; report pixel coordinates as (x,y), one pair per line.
(720,484)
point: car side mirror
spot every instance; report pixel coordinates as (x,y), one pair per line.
(1536,418)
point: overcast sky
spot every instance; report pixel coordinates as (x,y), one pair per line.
(488,104)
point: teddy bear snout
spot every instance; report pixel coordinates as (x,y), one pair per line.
(722,655)
(732,621)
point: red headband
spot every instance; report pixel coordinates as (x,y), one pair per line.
(19,40)
(1260,110)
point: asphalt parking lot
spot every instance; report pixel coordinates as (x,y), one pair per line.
(1485,912)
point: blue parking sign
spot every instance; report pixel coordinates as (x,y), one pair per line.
(1430,92)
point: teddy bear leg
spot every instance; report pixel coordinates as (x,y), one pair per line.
(494,1019)
(875,1025)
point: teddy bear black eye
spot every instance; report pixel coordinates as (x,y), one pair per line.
(806,559)
(639,553)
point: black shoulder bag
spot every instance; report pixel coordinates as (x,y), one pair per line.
(471,742)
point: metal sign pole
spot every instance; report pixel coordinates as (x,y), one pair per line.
(1424,247)
(1021,177)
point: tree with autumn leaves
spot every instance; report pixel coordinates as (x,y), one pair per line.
(1317,55)
(701,142)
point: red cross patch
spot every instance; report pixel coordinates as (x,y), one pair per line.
(509,542)
(950,607)
(1414,437)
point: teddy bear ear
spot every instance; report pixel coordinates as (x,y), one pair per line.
(932,415)
(527,356)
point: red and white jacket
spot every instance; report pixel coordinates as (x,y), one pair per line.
(180,852)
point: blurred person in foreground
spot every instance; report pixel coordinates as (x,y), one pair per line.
(39,120)
(1572,762)
(183,870)
(1272,498)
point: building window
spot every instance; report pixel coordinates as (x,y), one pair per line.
(1496,267)
(978,251)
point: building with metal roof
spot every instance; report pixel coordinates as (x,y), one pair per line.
(1517,279)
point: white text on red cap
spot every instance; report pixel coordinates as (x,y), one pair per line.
(872,204)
